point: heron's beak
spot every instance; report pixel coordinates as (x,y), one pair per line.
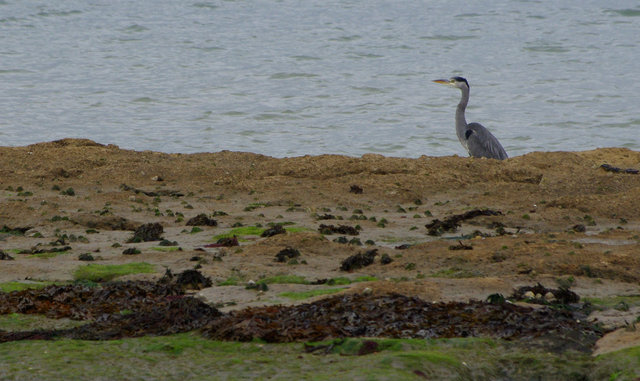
(441,81)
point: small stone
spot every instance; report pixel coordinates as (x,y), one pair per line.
(529,295)
(157,178)
(549,297)
(367,291)
(251,284)
(538,296)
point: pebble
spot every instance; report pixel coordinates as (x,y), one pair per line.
(529,295)
(367,291)
(549,297)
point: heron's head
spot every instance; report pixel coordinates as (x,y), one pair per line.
(457,82)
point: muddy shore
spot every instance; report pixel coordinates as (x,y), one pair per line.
(558,218)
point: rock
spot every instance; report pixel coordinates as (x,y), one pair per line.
(385,259)
(549,297)
(367,291)
(535,293)
(260,286)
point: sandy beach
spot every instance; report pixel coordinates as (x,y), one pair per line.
(557,218)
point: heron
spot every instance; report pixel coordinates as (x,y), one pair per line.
(477,140)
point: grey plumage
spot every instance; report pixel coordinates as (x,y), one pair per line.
(477,140)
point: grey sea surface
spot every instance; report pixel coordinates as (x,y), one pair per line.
(290,78)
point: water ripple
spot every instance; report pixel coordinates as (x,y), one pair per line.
(294,78)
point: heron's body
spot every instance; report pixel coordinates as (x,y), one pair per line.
(477,140)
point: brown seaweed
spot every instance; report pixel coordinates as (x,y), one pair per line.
(202,220)
(359,260)
(610,168)
(340,229)
(437,227)
(147,232)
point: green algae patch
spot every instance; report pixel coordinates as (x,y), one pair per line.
(341,280)
(243,231)
(166,249)
(298,229)
(454,273)
(47,255)
(284,279)
(19,286)
(625,363)
(231,281)
(309,294)
(240,232)
(103,273)
(23,322)
(614,301)
(365,278)
(174,356)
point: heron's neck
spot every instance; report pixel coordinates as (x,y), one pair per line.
(461,122)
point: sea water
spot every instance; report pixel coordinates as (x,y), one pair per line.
(289,78)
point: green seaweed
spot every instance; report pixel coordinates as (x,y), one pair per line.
(166,248)
(24,322)
(453,272)
(102,273)
(191,356)
(254,231)
(613,301)
(309,294)
(284,279)
(49,254)
(19,286)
